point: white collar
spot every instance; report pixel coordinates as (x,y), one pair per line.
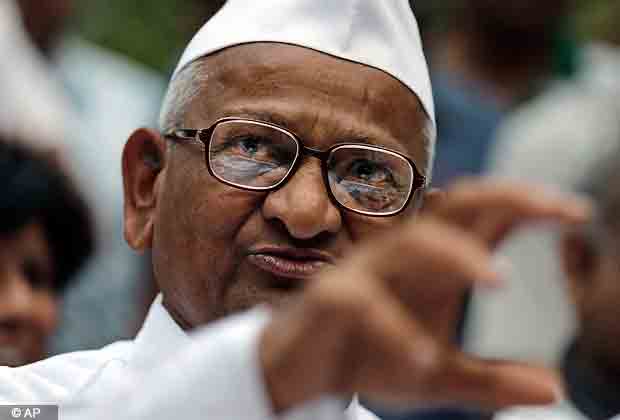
(160,335)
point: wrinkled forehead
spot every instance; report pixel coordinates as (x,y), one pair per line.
(311,93)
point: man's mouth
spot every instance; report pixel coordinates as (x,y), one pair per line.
(290,263)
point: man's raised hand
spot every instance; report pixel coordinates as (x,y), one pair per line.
(375,325)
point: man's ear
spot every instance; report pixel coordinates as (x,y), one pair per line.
(143,162)
(580,262)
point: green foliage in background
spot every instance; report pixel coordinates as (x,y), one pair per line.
(599,19)
(152,32)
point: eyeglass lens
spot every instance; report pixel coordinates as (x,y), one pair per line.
(251,154)
(363,178)
(369,180)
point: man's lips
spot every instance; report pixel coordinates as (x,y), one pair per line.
(287,262)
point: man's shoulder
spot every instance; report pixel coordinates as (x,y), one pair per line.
(364,414)
(562,411)
(356,411)
(61,378)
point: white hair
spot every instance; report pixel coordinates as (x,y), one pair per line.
(182,90)
(430,136)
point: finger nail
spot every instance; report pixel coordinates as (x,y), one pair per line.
(493,280)
(576,205)
(503,266)
(582,207)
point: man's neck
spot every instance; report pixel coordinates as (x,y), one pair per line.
(591,388)
(176,316)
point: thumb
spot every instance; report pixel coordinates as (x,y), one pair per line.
(497,384)
(434,198)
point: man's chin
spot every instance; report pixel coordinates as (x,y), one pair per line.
(272,293)
(281,297)
(252,287)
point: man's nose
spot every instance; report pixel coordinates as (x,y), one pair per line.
(16,296)
(303,204)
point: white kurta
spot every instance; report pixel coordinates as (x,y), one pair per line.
(561,411)
(165,374)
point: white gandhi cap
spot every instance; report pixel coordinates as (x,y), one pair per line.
(382,34)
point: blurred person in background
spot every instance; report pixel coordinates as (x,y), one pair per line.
(486,58)
(67,94)
(45,238)
(553,139)
(589,257)
(29,91)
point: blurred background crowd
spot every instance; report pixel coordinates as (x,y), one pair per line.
(526,89)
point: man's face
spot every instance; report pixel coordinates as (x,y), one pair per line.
(598,307)
(218,249)
(28,310)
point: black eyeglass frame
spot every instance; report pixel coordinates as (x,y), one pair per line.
(204,136)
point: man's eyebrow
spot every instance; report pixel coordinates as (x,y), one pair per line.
(351,136)
(269,117)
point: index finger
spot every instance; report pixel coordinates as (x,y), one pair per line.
(429,250)
(470,197)
(494,208)
(496,384)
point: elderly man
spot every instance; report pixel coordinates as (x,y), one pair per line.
(296,137)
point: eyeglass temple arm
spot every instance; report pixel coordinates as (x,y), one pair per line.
(181,134)
(420,182)
(184,135)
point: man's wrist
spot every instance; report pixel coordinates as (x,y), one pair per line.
(297,352)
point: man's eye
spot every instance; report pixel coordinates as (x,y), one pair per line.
(369,171)
(261,149)
(35,275)
(248,146)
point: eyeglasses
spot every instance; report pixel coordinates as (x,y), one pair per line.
(259,156)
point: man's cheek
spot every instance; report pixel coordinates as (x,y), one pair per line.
(224,213)
(362,227)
